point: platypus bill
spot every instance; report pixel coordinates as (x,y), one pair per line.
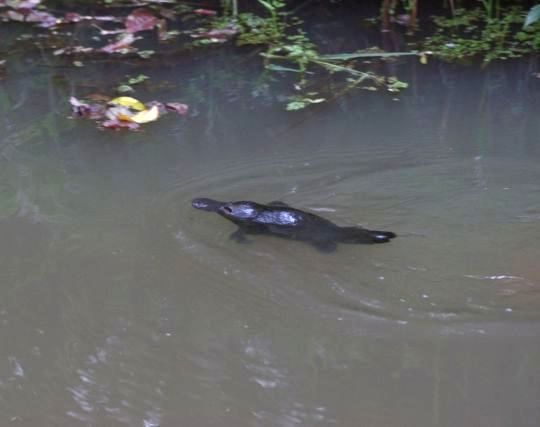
(279,219)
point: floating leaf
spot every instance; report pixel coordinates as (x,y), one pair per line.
(125,89)
(181,109)
(295,105)
(300,103)
(146,115)
(140,20)
(119,124)
(160,105)
(138,79)
(83,109)
(128,101)
(395,85)
(119,112)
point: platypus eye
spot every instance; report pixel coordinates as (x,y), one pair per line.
(227,209)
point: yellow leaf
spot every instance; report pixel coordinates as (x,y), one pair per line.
(423,59)
(128,101)
(146,115)
(124,117)
(119,113)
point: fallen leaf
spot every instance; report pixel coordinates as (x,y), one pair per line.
(146,115)
(119,112)
(123,42)
(161,108)
(72,17)
(206,12)
(70,50)
(140,20)
(119,124)
(145,54)
(44,19)
(22,4)
(168,13)
(83,109)
(181,109)
(129,102)
(75,103)
(14,15)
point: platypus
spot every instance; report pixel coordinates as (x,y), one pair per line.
(279,219)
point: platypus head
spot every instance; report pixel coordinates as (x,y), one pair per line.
(239,211)
(205,204)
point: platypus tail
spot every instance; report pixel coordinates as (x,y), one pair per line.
(363,235)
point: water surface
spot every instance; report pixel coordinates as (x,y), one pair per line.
(120,305)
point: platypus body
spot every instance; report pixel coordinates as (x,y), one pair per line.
(279,219)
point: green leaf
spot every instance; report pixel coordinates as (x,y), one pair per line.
(300,103)
(532,16)
(136,80)
(145,54)
(124,89)
(267,5)
(296,105)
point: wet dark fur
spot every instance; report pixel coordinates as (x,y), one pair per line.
(279,219)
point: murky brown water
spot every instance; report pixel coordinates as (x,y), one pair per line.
(120,305)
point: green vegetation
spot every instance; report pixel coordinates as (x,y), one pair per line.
(287,48)
(493,30)
(471,34)
(488,32)
(131,81)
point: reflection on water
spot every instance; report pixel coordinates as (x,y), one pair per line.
(120,304)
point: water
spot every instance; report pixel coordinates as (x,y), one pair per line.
(120,305)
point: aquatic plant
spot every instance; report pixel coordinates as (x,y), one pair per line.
(288,48)
(470,34)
